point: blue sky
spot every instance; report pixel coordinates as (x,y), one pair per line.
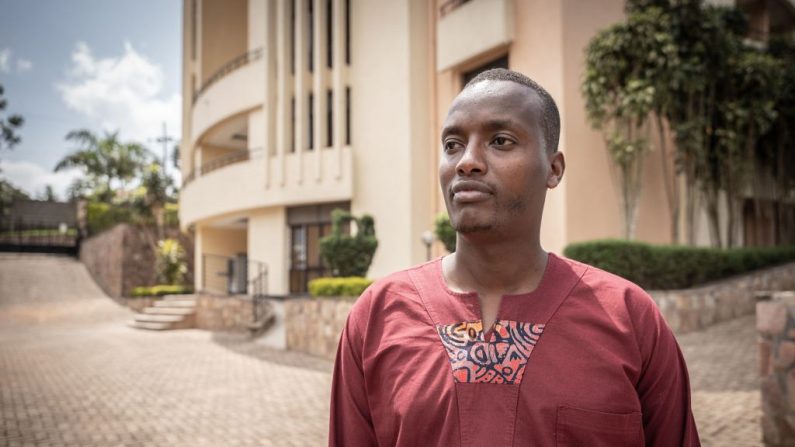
(95,64)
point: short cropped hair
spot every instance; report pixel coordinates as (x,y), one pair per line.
(549,113)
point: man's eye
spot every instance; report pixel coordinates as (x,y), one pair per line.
(501,141)
(450,145)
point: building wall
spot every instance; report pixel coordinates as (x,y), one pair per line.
(538,51)
(390,110)
(592,207)
(224,29)
(403,77)
(268,242)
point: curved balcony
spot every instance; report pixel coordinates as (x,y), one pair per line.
(234,88)
(248,179)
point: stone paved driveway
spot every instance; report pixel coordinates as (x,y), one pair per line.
(72,373)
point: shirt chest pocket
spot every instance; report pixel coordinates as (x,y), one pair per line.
(579,427)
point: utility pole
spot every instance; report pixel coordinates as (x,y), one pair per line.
(165,139)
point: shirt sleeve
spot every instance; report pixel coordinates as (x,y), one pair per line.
(664,385)
(350,423)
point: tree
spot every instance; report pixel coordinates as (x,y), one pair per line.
(49,194)
(156,186)
(9,193)
(745,112)
(105,161)
(776,154)
(9,125)
(170,262)
(628,67)
(687,66)
(348,255)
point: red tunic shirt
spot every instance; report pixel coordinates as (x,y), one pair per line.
(586,359)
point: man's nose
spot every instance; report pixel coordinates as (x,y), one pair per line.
(472,160)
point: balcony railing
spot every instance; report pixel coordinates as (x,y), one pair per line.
(237,62)
(219,162)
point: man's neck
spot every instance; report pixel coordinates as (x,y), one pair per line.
(495,267)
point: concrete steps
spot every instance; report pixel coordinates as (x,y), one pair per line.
(172,312)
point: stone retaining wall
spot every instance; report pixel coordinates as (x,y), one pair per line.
(694,309)
(775,323)
(123,257)
(313,325)
(224,313)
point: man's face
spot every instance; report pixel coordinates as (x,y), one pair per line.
(494,169)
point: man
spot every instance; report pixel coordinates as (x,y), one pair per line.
(501,343)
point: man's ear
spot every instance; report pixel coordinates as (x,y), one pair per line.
(557,164)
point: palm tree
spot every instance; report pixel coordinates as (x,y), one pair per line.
(104,161)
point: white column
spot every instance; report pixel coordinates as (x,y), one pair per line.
(267,41)
(199,41)
(301,94)
(282,87)
(319,85)
(198,258)
(339,78)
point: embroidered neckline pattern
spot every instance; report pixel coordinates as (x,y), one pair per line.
(501,360)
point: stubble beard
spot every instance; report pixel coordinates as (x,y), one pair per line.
(515,206)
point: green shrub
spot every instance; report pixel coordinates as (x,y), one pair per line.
(102,216)
(170,261)
(171,215)
(666,267)
(352,286)
(161,289)
(444,231)
(347,255)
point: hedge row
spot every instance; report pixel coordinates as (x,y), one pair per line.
(352,286)
(666,267)
(160,290)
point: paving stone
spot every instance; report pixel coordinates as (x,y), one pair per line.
(725,385)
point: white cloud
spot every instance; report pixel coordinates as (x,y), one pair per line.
(124,93)
(24,65)
(5,60)
(33,178)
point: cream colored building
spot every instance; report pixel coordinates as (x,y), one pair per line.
(294,107)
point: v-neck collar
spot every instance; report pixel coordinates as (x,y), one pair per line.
(447,306)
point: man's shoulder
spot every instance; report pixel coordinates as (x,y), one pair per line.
(395,287)
(400,282)
(605,285)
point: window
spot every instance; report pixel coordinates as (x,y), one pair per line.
(292,38)
(329,118)
(311,122)
(292,124)
(348,32)
(501,62)
(193,31)
(308,224)
(329,35)
(311,35)
(347,116)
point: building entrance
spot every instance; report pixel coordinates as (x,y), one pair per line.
(308,224)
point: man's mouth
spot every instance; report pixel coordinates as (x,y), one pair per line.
(468,191)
